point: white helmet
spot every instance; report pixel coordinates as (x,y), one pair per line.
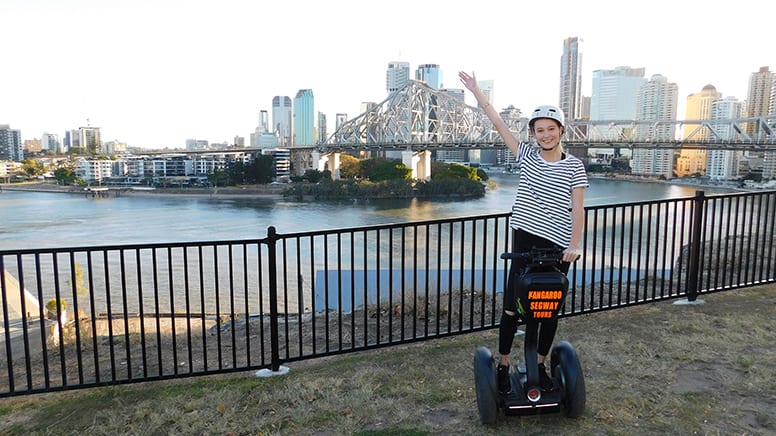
(547,111)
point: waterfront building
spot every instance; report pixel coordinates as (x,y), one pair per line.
(281,119)
(397,76)
(94,171)
(571,78)
(724,164)
(431,74)
(11,144)
(7,168)
(282,162)
(698,107)
(657,101)
(304,118)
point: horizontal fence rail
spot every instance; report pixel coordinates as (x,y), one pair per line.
(90,316)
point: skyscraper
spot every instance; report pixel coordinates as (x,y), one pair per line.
(614,96)
(758,100)
(304,118)
(487,87)
(571,78)
(431,74)
(281,119)
(322,134)
(615,93)
(698,107)
(657,101)
(50,142)
(90,139)
(340,119)
(397,76)
(724,164)
(10,144)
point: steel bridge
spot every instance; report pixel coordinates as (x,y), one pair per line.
(419,117)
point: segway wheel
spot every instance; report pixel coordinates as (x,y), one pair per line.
(485,385)
(566,367)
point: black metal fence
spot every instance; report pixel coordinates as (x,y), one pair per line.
(89,316)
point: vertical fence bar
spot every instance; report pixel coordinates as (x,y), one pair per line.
(272,239)
(695,246)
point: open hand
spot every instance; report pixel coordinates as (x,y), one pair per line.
(469,81)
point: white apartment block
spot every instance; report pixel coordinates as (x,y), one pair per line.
(94,172)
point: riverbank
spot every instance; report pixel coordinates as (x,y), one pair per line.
(276,191)
(223,192)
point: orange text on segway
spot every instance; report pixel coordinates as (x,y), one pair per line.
(544,308)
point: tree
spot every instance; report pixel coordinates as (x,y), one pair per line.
(32,168)
(350,167)
(453,171)
(381,169)
(64,176)
(262,169)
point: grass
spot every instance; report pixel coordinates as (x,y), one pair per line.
(653,369)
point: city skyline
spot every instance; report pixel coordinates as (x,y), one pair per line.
(155,74)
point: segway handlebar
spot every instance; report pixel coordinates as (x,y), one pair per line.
(539,256)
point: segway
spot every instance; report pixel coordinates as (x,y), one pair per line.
(541,292)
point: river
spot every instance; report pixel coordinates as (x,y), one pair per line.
(52,220)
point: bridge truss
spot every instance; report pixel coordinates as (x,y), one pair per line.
(420,117)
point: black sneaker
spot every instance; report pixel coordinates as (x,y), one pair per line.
(502,379)
(544,380)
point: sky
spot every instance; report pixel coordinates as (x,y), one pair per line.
(153,73)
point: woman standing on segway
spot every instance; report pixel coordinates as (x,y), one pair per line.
(548,212)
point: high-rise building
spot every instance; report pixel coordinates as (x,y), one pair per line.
(339,120)
(614,93)
(263,136)
(90,139)
(761,100)
(397,76)
(322,134)
(758,100)
(724,164)
(614,96)
(11,144)
(698,107)
(487,87)
(431,74)
(281,119)
(72,140)
(571,78)
(263,125)
(657,101)
(50,142)
(303,118)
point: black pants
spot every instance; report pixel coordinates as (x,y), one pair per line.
(524,241)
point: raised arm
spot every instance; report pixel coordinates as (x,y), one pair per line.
(470,82)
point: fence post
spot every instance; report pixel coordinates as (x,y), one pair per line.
(273,299)
(695,246)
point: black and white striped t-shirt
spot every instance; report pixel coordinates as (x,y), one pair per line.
(543,201)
